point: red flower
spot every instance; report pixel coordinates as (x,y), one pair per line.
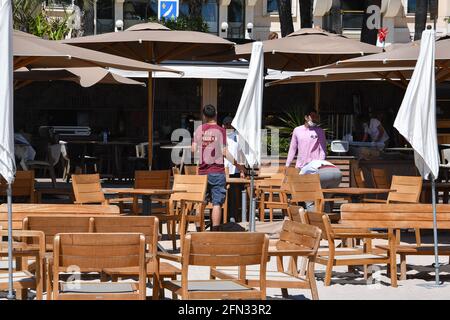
(382,34)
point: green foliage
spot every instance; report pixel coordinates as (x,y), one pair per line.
(183,23)
(30,17)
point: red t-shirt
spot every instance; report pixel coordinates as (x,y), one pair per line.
(210,139)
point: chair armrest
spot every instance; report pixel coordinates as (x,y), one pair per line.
(374,200)
(168,256)
(290,253)
(333,199)
(367,235)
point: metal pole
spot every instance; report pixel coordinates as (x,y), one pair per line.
(252,202)
(244,206)
(436,253)
(10,295)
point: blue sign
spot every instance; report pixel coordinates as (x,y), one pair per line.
(168,9)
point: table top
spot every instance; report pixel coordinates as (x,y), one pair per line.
(110,143)
(175,146)
(140,191)
(357,191)
(399,149)
(243,180)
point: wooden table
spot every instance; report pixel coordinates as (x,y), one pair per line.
(145,193)
(117,167)
(356,194)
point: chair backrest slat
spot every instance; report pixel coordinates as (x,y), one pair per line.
(221,249)
(408,189)
(193,187)
(295,235)
(23,184)
(154,179)
(87,188)
(379,177)
(96,251)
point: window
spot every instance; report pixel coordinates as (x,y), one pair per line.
(411,6)
(236,19)
(138,11)
(105,16)
(352,14)
(272,6)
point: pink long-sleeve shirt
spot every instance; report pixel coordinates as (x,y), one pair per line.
(308,143)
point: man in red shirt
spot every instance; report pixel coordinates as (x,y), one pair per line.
(210,141)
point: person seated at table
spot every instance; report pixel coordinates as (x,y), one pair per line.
(375,130)
(309,144)
(23,149)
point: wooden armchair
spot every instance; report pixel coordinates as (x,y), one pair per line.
(88,190)
(148,226)
(94,252)
(407,190)
(220,249)
(23,279)
(191,188)
(296,240)
(23,186)
(268,192)
(333,256)
(307,188)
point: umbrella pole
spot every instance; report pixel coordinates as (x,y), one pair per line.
(10,295)
(252,201)
(436,253)
(150,119)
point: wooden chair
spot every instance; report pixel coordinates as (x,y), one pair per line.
(269,195)
(333,256)
(191,170)
(306,188)
(359,177)
(296,239)
(23,210)
(22,278)
(408,189)
(269,171)
(154,179)
(220,249)
(94,252)
(175,170)
(379,178)
(23,185)
(52,225)
(192,188)
(148,226)
(88,190)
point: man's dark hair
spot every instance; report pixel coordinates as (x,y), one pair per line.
(309,111)
(209,111)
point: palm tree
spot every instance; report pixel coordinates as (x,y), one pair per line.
(285,15)
(421,18)
(306,13)
(369,33)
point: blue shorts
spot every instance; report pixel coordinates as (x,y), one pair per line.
(216,191)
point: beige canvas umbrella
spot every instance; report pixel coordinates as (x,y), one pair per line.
(33,52)
(308,48)
(153,43)
(85,77)
(396,76)
(403,56)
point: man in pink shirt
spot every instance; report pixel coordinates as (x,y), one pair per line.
(308,142)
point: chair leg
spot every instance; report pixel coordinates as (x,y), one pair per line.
(328,272)
(312,280)
(418,238)
(284,293)
(403,267)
